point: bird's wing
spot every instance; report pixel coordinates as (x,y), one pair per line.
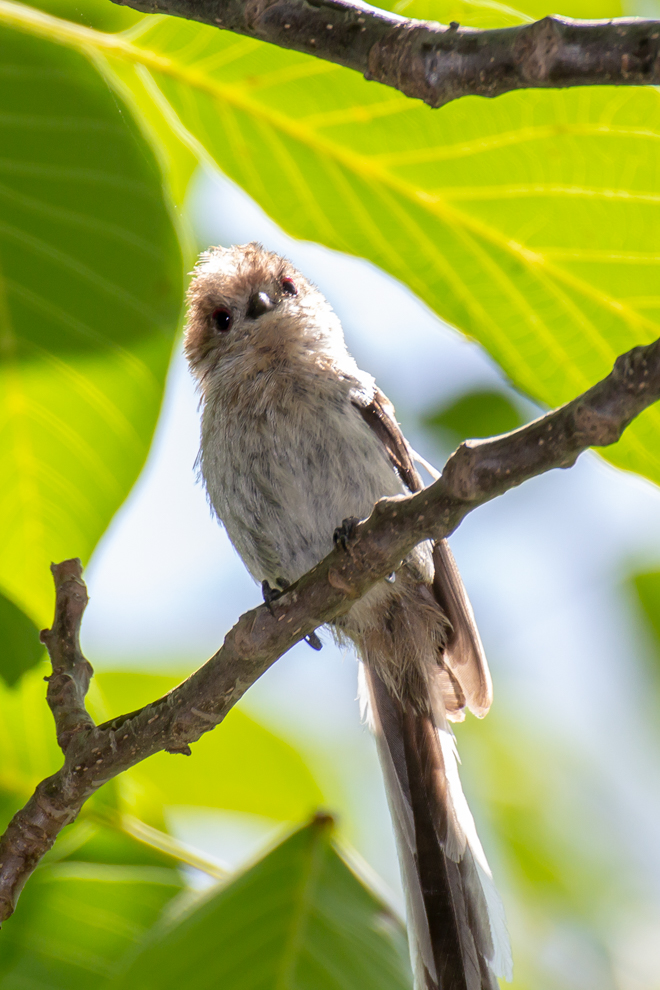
(463,655)
(378,413)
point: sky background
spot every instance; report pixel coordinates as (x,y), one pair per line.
(544,567)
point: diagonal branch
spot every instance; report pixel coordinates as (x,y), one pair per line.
(435,62)
(478,471)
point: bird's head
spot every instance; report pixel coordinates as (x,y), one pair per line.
(250,311)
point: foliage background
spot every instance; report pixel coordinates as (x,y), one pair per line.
(528,222)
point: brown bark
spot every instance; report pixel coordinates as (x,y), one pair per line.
(475,473)
(434,62)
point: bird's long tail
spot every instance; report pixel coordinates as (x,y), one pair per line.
(455,919)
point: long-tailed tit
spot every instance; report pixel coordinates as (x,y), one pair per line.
(295,439)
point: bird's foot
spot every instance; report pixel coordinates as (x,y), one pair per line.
(345,533)
(313,641)
(272,594)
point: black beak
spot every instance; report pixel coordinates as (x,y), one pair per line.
(259,303)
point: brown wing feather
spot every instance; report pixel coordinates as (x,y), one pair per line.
(378,414)
(464,654)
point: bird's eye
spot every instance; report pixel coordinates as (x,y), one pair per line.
(289,286)
(221,319)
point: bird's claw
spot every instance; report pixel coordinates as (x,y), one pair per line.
(345,533)
(272,594)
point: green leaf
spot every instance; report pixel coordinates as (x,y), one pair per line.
(530,222)
(647,587)
(75,921)
(92,840)
(29,748)
(476,414)
(27,741)
(537,800)
(475,13)
(90,283)
(299,919)
(240,766)
(93,13)
(493,14)
(20,647)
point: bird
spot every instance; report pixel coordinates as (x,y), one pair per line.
(296,444)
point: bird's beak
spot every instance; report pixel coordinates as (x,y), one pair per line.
(259,303)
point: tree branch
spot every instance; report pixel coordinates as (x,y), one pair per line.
(475,473)
(434,62)
(69,682)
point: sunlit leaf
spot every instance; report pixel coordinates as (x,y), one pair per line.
(90,282)
(494,13)
(20,648)
(92,13)
(528,221)
(299,919)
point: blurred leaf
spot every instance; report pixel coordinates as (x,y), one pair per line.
(75,921)
(20,648)
(27,739)
(559,852)
(29,750)
(239,766)
(476,13)
(97,14)
(647,590)
(164,133)
(647,587)
(543,806)
(574,8)
(91,840)
(476,414)
(91,288)
(299,919)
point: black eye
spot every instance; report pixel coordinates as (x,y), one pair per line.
(221,319)
(289,286)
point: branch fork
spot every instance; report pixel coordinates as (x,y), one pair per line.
(479,470)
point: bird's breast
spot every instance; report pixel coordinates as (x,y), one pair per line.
(286,474)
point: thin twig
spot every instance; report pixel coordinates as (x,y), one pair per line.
(434,62)
(477,472)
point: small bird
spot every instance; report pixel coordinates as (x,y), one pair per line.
(296,444)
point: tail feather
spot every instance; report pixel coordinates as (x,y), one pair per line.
(458,939)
